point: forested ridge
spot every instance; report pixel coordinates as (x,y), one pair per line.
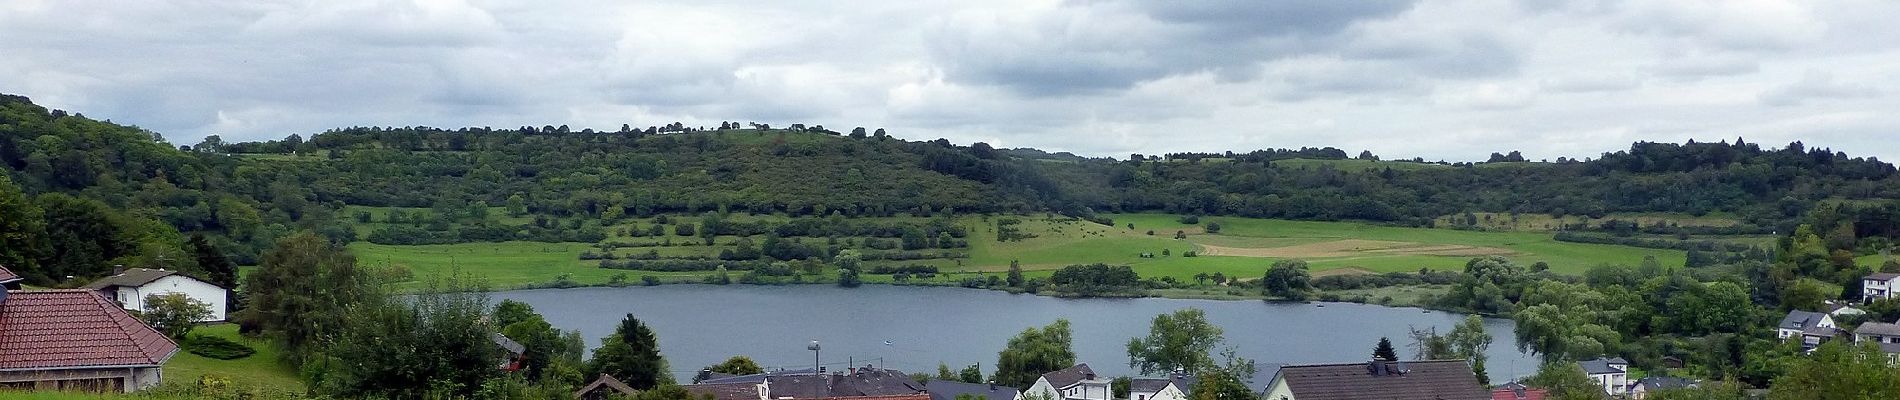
(128,185)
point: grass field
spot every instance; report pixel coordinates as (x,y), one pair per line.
(1244,248)
(261,370)
(1358,165)
(1544,222)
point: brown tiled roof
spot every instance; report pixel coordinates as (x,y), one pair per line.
(43,329)
(131,277)
(1420,380)
(7,276)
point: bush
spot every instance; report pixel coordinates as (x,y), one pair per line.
(217,347)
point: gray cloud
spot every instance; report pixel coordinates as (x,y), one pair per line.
(1451,80)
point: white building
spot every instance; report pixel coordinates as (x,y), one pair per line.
(1073,383)
(1810,327)
(1612,374)
(1879,285)
(130,288)
(1172,388)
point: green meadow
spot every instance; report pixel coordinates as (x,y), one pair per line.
(1243,248)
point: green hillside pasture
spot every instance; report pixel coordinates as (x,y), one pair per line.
(1544,222)
(501,265)
(1327,245)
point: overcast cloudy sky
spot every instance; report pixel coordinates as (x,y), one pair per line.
(1452,80)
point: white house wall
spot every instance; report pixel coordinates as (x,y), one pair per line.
(133,298)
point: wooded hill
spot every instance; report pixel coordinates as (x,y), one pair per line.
(131,186)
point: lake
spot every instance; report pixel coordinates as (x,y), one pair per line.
(914,328)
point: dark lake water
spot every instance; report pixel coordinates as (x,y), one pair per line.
(701,325)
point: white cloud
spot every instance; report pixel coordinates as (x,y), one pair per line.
(1453,80)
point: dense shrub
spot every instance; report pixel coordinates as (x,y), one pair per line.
(216,347)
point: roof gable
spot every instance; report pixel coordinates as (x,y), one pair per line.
(949,390)
(1802,320)
(608,382)
(1067,377)
(135,277)
(7,276)
(45,329)
(1421,380)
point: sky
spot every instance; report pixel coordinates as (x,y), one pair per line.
(1444,80)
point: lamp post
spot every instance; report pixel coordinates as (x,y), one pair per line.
(814,357)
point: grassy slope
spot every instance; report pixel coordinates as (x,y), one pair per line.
(261,370)
(1061,242)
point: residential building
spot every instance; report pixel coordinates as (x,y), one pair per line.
(604,388)
(728,391)
(855,382)
(1072,383)
(130,288)
(1610,373)
(1173,387)
(1879,285)
(76,340)
(1517,391)
(1383,380)
(512,353)
(1643,387)
(1841,308)
(8,279)
(1811,328)
(950,390)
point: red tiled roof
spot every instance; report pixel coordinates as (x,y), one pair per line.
(1509,394)
(7,276)
(46,329)
(1408,380)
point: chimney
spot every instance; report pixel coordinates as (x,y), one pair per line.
(1375,368)
(992,383)
(118,269)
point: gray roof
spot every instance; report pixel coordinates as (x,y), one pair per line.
(725,391)
(1602,366)
(1664,382)
(862,382)
(754,378)
(1421,380)
(1147,385)
(1069,376)
(1878,328)
(1800,320)
(1881,276)
(132,277)
(513,347)
(608,382)
(949,390)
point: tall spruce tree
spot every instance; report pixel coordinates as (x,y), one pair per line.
(1384,351)
(632,355)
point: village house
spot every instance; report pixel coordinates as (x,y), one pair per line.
(1612,374)
(1841,309)
(1886,336)
(1879,285)
(604,388)
(1174,387)
(8,279)
(854,383)
(76,340)
(950,390)
(1072,383)
(1643,387)
(512,353)
(1384,380)
(130,288)
(1811,328)
(1517,391)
